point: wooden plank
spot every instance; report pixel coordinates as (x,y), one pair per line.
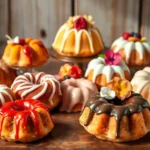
(23,18)
(112,17)
(39,19)
(3,19)
(51,15)
(145,30)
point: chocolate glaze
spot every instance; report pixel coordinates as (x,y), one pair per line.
(117,108)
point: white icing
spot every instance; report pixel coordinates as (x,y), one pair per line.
(4,90)
(141,79)
(77,36)
(25,83)
(76,91)
(99,67)
(128,47)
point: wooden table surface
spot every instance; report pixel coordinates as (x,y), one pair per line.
(68,134)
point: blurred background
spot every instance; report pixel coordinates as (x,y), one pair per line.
(42,18)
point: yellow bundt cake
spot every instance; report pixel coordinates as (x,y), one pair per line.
(25,53)
(78,38)
(24,120)
(116,116)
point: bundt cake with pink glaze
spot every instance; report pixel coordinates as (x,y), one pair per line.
(141,83)
(38,85)
(6,95)
(75,93)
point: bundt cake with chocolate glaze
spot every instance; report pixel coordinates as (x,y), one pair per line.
(116,120)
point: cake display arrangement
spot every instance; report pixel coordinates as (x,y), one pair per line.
(107,104)
(134,48)
(116,113)
(25,53)
(78,37)
(102,69)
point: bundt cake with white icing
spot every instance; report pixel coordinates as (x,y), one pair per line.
(134,48)
(78,37)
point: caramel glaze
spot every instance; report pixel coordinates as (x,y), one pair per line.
(115,107)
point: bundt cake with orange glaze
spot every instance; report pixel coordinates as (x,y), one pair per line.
(6,94)
(78,37)
(134,48)
(25,53)
(110,118)
(7,74)
(38,85)
(141,83)
(75,93)
(101,70)
(24,120)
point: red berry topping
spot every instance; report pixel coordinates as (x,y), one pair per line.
(80,23)
(28,51)
(21,41)
(126,35)
(75,72)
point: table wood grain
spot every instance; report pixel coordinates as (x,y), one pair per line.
(68,134)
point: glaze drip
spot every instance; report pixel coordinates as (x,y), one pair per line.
(133,104)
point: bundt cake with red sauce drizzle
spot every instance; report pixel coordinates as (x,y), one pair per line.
(38,85)
(115,119)
(24,120)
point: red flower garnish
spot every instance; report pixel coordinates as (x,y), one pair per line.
(112,58)
(80,23)
(75,72)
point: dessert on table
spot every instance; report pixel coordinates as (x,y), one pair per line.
(25,53)
(134,48)
(116,113)
(75,89)
(104,68)
(24,120)
(141,83)
(78,37)
(38,85)
(7,74)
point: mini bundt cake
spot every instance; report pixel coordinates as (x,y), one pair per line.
(68,70)
(24,120)
(38,85)
(75,93)
(7,74)
(141,83)
(25,53)
(102,70)
(6,95)
(134,48)
(110,118)
(78,38)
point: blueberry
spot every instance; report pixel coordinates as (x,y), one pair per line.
(132,33)
(66,77)
(136,35)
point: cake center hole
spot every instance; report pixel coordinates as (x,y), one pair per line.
(18,108)
(116,102)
